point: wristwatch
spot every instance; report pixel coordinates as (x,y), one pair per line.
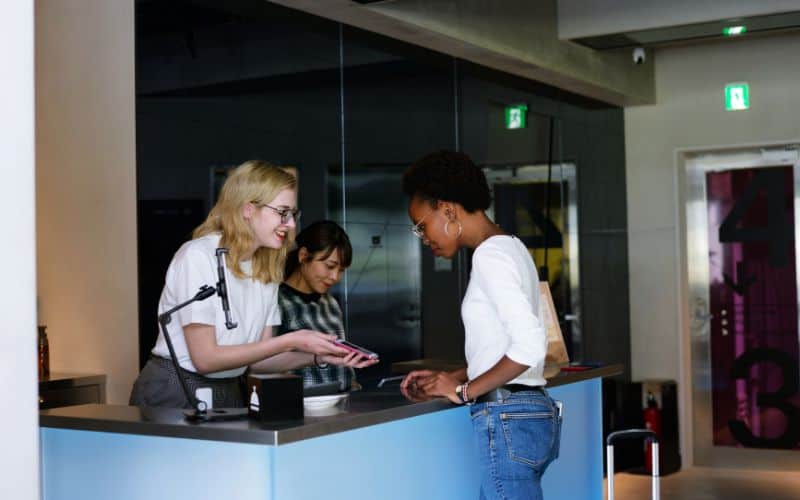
(462,391)
(458,393)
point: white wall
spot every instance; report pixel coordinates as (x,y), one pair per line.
(690,113)
(86,187)
(19,421)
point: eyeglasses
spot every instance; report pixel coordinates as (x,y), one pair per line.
(284,213)
(419,229)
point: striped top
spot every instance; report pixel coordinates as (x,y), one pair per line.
(319,312)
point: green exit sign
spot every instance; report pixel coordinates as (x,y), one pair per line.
(737,96)
(734,30)
(516,116)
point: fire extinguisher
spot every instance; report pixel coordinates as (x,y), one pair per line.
(652,421)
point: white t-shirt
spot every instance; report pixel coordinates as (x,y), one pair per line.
(253,304)
(501,311)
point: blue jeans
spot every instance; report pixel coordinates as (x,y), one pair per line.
(517,438)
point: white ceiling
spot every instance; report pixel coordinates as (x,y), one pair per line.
(605,24)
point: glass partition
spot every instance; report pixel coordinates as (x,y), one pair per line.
(217,86)
(512,127)
(350,110)
(398,105)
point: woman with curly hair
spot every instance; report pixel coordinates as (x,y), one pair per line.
(516,424)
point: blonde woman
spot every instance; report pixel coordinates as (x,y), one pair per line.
(254,218)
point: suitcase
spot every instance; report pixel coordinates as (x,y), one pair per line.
(648,435)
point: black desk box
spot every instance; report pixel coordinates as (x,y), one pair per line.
(275,397)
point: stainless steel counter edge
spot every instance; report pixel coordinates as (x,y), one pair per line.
(58,380)
(364,409)
(370,409)
(564,378)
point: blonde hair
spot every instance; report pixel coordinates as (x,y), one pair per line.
(256,182)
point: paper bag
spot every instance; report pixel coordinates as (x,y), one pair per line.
(556,348)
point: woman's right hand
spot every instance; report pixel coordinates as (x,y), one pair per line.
(317,343)
(414,378)
(410,386)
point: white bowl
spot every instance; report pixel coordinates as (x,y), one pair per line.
(322,402)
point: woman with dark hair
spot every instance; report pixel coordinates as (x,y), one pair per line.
(318,262)
(516,424)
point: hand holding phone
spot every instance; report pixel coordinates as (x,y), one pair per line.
(356,348)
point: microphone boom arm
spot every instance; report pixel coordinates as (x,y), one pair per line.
(222,287)
(200,411)
(164,318)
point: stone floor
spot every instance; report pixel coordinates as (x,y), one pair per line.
(699,483)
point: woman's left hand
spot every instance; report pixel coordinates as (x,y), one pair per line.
(440,384)
(352,360)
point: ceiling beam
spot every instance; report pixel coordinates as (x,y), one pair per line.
(519,37)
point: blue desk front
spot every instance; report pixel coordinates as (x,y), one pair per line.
(427,456)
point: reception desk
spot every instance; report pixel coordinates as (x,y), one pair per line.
(377,445)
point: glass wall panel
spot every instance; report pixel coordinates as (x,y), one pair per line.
(511,127)
(398,105)
(539,146)
(218,85)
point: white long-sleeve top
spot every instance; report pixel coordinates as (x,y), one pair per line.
(501,310)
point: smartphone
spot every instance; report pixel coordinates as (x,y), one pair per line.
(356,348)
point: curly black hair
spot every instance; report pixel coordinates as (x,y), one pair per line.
(448,176)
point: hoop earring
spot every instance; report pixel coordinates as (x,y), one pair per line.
(460,228)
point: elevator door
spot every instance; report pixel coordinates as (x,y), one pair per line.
(746,340)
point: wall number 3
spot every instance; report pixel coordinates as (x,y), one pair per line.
(778,400)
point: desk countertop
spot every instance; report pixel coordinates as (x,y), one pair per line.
(360,409)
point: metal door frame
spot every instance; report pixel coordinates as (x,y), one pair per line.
(693,167)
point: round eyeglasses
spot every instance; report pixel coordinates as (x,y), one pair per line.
(284,213)
(419,228)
